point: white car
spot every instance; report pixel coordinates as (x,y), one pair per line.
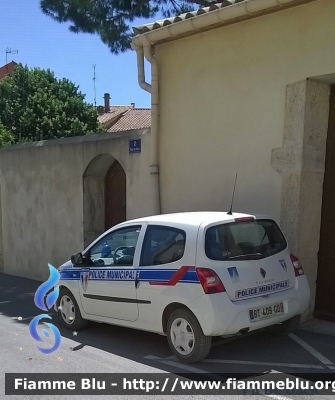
(189,276)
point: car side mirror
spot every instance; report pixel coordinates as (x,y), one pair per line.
(77,259)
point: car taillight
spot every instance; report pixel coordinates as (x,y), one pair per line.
(297,265)
(209,280)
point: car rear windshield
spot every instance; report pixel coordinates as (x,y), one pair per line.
(247,240)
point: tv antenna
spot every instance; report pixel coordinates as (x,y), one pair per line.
(230,212)
(95,89)
(10,51)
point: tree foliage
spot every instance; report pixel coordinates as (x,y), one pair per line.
(111,19)
(5,137)
(35,105)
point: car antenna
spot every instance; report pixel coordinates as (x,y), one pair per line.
(230,212)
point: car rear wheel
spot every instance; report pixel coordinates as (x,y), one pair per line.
(285,327)
(185,337)
(69,312)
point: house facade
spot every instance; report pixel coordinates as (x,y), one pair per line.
(246,87)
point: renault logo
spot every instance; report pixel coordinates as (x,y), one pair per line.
(263,272)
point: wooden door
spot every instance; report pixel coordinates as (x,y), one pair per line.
(115,190)
(325,284)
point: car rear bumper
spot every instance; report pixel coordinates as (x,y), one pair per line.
(219,316)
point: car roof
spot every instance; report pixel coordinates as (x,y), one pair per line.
(192,218)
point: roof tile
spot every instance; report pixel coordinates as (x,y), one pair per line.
(115,111)
(125,118)
(136,118)
(138,30)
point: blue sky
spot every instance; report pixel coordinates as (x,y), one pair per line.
(44,43)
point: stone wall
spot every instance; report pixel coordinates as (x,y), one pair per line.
(42,198)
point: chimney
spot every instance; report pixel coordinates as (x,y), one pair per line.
(132,104)
(101,110)
(107,98)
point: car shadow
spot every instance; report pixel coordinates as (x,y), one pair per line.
(250,355)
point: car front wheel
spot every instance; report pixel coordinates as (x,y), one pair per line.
(186,338)
(69,312)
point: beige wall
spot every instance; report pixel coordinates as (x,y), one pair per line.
(251,98)
(222,106)
(42,196)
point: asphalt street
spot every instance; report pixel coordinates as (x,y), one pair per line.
(106,348)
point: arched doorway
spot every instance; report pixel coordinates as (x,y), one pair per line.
(104,186)
(115,195)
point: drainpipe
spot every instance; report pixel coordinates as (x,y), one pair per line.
(145,50)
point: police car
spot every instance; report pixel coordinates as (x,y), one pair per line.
(189,276)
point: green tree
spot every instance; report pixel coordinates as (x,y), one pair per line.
(110,19)
(35,105)
(5,137)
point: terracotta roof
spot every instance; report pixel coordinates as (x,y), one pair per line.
(137,118)
(138,30)
(217,14)
(7,69)
(126,118)
(114,113)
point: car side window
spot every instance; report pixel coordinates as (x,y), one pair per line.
(162,245)
(116,249)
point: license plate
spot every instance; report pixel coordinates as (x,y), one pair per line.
(272,310)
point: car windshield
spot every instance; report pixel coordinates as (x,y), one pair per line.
(247,240)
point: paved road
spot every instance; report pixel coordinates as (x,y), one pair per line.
(107,348)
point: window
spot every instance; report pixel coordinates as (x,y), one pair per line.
(116,248)
(247,240)
(162,245)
